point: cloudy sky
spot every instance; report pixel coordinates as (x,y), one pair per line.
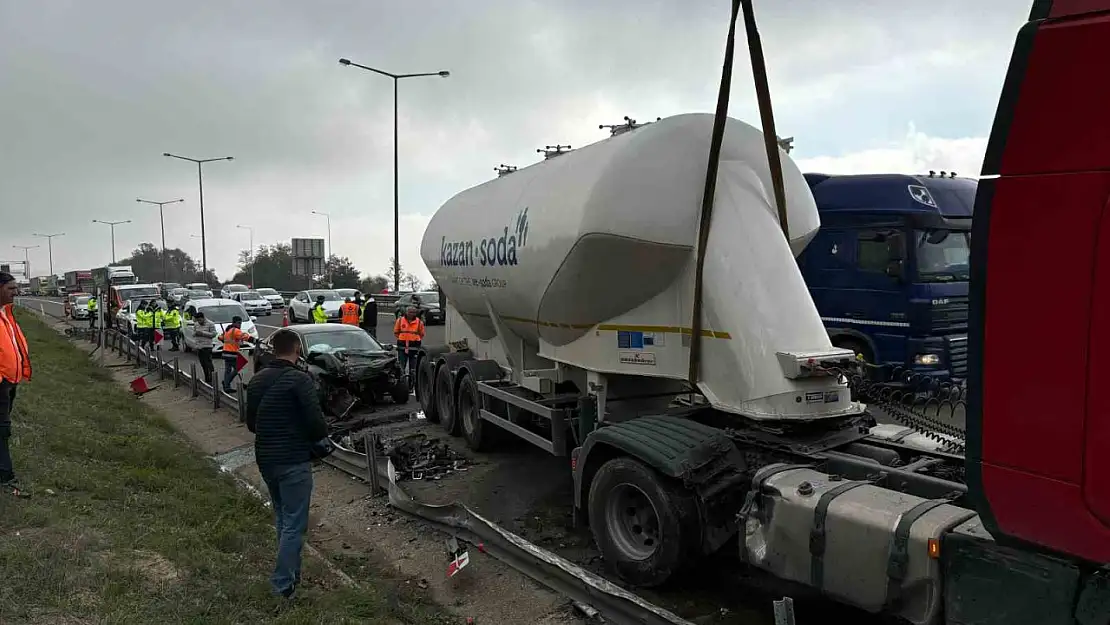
(92,94)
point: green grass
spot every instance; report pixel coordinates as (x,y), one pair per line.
(140,528)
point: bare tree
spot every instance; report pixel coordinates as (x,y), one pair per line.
(411,281)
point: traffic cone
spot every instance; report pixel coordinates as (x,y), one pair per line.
(139,386)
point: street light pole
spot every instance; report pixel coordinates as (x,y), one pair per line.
(50,247)
(200,181)
(162,220)
(112,225)
(251,231)
(26,258)
(396,189)
(330,252)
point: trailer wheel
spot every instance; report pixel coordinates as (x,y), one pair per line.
(445,400)
(643,524)
(479,435)
(426,390)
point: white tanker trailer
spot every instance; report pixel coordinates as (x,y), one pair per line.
(569,291)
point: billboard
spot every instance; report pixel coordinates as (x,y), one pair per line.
(308,248)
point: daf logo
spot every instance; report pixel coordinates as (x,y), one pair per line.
(940,302)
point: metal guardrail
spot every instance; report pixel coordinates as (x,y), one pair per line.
(381,298)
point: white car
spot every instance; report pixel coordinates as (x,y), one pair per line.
(199,286)
(300,307)
(125,316)
(254,302)
(232,289)
(276,299)
(220,312)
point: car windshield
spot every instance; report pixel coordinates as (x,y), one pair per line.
(235,288)
(171,286)
(224,312)
(139,292)
(427,298)
(329,296)
(82,301)
(351,340)
(250,295)
(943,255)
(265,292)
(197,293)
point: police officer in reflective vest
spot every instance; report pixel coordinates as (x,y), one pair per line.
(159,324)
(319,315)
(92,312)
(171,325)
(144,325)
(348,313)
(409,331)
(368,315)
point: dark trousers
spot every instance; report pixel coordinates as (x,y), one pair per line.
(173,334)
(205,357)
(406,355)
(7,400)
(290,489)
(230,362)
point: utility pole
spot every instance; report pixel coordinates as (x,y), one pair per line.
(200,181)
(251,231)
(396,193)
(330,252)
(162,220)
(112,225)
(26,258)
(50,247)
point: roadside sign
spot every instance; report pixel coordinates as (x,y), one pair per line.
(308,266)
(308,248)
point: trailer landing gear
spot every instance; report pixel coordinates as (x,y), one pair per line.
(644,524)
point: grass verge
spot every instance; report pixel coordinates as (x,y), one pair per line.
(128,524)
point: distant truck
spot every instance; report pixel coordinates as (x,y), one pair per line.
(104,277)
(80,281)
(888,269)
(44,286)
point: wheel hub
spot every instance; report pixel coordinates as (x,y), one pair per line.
(632,522)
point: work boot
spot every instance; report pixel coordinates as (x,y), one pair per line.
(14,488)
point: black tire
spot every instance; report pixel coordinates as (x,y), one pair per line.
(400,393)
(445,400)
(426,390)
(480,434)
(292,316)
(651,546)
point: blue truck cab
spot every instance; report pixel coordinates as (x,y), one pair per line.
(889,268)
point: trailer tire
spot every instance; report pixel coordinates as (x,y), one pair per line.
(644,524)
(445,400)
(426,389)
(480,435)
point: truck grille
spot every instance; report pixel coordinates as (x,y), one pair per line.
(950,316)
(957,356)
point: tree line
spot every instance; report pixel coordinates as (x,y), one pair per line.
(272,266)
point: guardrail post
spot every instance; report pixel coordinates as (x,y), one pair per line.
(176,373)
(193,375)
(161,367)
(215,397)
(370,440)
(241,402)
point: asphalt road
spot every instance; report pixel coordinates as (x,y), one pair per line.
(435,335)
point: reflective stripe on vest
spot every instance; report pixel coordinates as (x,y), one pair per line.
(409,330)
(15,363)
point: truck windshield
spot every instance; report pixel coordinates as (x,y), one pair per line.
(943,255)
(139,292)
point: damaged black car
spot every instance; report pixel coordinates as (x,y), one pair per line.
(351,369)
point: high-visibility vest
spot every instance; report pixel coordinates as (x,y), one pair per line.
(15,362)
(92,304)
(406,330)
(318,314)
(349,313)
(144,319)
(159,318)
(171,320)
(232,338)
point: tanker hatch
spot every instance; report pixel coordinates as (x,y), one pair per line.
(504,170)
(628,125)
(551,151)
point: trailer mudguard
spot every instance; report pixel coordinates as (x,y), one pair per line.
(703,458)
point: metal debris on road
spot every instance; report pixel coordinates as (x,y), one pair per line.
(414,457)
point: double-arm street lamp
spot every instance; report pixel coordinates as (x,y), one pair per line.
(162,220)
(396,211)
(251,231)
(50,246)
(200,181)
(112,225)
(26,257)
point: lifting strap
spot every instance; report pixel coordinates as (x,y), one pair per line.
(817,534)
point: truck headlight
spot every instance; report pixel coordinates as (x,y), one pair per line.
(926,359)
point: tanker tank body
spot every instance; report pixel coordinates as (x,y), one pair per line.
(581,268)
